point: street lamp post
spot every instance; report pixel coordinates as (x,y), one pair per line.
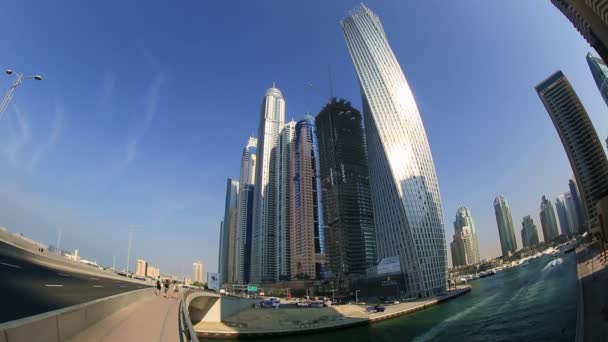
(9,95)
(129,248)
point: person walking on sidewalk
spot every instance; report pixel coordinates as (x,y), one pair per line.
(175,289)
(167,284)
(158,286)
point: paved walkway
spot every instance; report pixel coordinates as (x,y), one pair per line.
(153,319)
(593,272)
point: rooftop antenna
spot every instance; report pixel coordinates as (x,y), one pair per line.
(331,83)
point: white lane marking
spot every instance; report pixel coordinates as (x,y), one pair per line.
(94,279)
(97,285)
(122,286)
(10,265)
(64,275)
(53,285)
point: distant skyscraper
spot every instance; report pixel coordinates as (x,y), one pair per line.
(577,206)
(562,214)
(142,268)
(599,70)
(198,271)
(247,194)
(573,218)
(347,204)
(407,206)
(267,188)
(307,230)
(579,138)
(548,220)
(244,209)
(529,233)
(590,18)
(284,228)
(504,221)
(465,246)
(228,230)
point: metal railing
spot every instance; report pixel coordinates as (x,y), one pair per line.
(187,332)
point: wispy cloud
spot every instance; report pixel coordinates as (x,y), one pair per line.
(20,134)
(151,104)
(54,135)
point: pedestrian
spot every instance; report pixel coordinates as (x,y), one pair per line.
(167,284)
(175,289)
(158,286)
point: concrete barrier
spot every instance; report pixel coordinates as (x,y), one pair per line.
(63,324)
(232,306)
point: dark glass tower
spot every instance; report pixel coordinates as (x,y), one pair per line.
(599,70)
(347,204)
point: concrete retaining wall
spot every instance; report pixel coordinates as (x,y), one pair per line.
(232,306)
(63,324)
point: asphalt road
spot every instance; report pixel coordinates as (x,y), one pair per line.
(28,289)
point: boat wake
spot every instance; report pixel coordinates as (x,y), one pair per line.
(553,263)
(429,335)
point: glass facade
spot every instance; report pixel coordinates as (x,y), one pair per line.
(562,214)
(347,205)
(284,228)
(599,70)
(465,245)
(228,230)
(529,233)
(504,221)
(548,221)
(245,208)
(408,216)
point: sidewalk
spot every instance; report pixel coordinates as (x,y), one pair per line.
(152,319)
(593,274)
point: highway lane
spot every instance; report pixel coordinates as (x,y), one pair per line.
(28,289)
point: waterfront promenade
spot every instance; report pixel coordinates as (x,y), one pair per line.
(288,321)
(592,273)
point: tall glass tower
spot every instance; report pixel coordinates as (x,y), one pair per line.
(307,229)
(407,206)
(548,220)
(599,70)
(504,221)
(267,187)
(245,207)
(529,233)
(226,266)
(283,246)
(580,140)
(562,214)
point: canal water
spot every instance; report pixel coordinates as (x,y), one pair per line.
(536,302)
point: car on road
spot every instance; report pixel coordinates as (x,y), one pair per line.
(317,304)
(303,304)
(268,304)
(375,308)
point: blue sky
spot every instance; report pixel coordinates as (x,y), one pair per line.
(144,109)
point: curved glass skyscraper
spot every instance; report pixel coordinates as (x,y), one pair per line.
(407,207)
(504,221)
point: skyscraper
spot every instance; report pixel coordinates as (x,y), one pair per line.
(244,208)
(548,220)
(562,214)
(573,218)
(347,204)
(267,186)
(465,246)
(405,193)
(247,196)
(228,231)
(590,18)
(198,271)
(576,205)
(504,221)
(579,138)
(529,233)
(142,268)
(284,228)
(599,70)
(307,229)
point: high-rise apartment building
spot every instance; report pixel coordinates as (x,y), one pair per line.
(529,233)
(267,188)
(465,246)
(590,18)
(244,210)
(573,218)
(228,232)
(504,221)
(153,272)
(350,237)
(579,138)
(562,214)
(142,268)
(283,245)
(547,220)
(599,70)
(199,272)
(308,259)
(408,216)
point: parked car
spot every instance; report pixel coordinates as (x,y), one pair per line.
(379,308)
(317,304)
(303,304)
(267,304)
